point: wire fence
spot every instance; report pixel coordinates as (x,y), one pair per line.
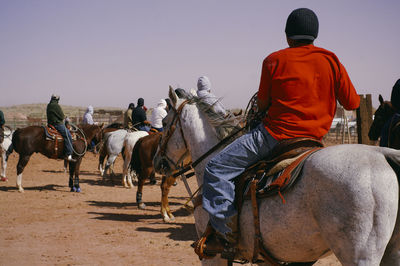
(101,116)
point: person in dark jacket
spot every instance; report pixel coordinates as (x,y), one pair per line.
(139,118)
(55,118)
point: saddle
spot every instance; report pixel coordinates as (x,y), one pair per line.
(271,176)
(53,135)
(279,171)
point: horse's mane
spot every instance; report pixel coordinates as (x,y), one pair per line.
(223,124)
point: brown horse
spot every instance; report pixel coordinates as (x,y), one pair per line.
(32,139)
(142,163)
(383,114)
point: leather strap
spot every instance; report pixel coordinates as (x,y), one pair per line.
(258,245)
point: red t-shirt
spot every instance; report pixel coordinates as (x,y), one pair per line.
(301,86)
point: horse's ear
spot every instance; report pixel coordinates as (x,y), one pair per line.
(102,125)
(380,99)
(172,96)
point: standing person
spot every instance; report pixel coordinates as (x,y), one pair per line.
(55,118)
(139,118)
(2,122)
(88,116)
(158,115)
(299,87)
(393,120)
(204,92)
(128,117)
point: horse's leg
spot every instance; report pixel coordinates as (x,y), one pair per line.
(110,164)
(153,180)
(392,252)
(22,162)
(133,175)
(76,173)
(141,177)
(126,178)
(166,184)
(65,166)
(3,166)
(101,163)
(71,184)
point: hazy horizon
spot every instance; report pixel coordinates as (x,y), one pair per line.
(110,53)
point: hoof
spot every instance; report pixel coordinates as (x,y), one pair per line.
(73,189)
(168,219)
(153,182)
(142,206)
(4,179)
(78,189)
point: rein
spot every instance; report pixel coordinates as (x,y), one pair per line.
(210,151)
(190,166)
(163,148)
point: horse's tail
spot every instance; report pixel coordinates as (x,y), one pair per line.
(135,159)
(393,158)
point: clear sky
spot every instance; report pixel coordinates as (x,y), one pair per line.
(111,52)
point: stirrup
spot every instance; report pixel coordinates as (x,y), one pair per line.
(199,244)
(226,249)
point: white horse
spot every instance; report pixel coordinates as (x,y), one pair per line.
(345,202)
(3,149)
(121,141)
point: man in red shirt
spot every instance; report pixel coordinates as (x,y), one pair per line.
(299,87)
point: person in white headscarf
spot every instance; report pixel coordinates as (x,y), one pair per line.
(158,115)
(204,92)
(88,116)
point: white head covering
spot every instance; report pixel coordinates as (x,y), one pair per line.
(89,109)
(204,92)
(203,85)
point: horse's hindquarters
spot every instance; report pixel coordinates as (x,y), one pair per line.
(346,201)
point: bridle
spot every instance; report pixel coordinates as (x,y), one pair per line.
(163,146)
(167,136)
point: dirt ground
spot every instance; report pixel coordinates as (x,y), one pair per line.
(48,225)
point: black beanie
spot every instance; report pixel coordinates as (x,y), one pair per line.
(395,97)
(302,24)
(140,102)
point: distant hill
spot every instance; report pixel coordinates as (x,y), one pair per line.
(23,111)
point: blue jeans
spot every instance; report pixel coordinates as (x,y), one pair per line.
(221,171)
(143,128)
(67,138)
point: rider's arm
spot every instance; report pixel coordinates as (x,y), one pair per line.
(264,91)
(345,92)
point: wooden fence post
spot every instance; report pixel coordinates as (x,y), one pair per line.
(364,119)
